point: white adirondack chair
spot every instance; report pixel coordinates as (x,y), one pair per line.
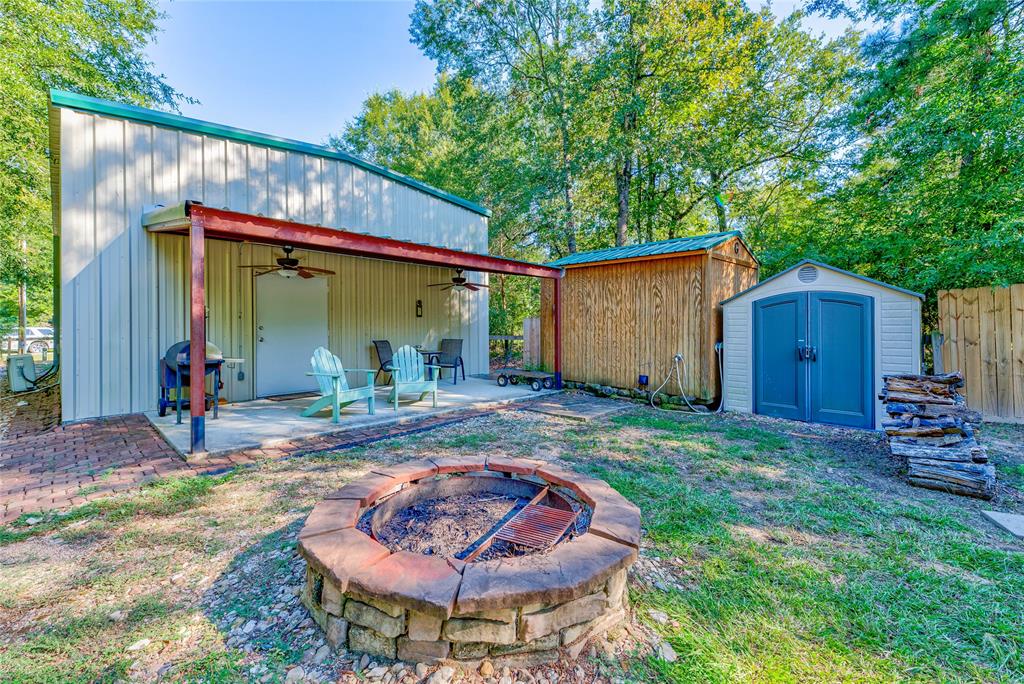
(334,390)
(409,374)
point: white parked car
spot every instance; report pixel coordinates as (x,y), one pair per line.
(37,340)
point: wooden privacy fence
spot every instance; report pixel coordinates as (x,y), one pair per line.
(983,338)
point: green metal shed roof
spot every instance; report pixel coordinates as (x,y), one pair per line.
(95,105)
(691,243)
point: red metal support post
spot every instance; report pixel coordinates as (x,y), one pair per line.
(558,331)
(197,339)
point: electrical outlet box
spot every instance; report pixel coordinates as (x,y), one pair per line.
(21,372)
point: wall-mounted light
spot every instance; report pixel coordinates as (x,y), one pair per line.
(419,308)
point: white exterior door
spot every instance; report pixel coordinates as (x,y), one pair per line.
(291,321)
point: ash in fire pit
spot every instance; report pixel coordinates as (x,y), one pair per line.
(447,526)
(467,558)
(472,518)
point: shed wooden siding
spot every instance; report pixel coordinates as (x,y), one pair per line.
(897,326)
(120,287)
(620,320)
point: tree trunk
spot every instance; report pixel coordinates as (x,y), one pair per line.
(570,221)
(623,178)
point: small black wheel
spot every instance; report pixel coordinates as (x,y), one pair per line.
(535,385)
(162,411)
(549,383)
(514,379)
(502,380)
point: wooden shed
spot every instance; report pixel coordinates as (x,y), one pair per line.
(813,342)
(626,311)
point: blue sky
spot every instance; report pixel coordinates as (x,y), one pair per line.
(300,69)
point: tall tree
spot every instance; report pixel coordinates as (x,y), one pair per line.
(90,46)
(534,51)
(936,197)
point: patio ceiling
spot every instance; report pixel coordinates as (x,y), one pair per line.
(232,225)
(199,222)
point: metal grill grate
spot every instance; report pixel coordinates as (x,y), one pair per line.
(537,525)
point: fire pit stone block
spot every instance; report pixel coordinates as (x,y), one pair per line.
(365,615)
(518,611)
(424,583)
(330,516)
(422,651)
(423,627)
(550,620)
(473,629)
(367,640)
(410,471)
(572,569)
(338,555)
(368,488)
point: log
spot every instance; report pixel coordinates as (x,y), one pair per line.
(959,478)
(965,452)
(943,441)
(930,410)
(955,379)
(987,491)
(922,432)
(915,397)
(947,423)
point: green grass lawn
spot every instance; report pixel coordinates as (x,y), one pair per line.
(773,552)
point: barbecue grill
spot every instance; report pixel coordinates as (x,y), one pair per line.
(174,375)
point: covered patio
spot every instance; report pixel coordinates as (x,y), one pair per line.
(262,421)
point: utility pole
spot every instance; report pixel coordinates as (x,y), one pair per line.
(23,299)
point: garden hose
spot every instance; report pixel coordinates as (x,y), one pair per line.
(678,366)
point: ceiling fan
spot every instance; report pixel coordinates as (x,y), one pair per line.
(459,282)
(289,267)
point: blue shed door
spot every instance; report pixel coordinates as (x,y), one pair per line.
(780,383)
(813,358)
(842,364)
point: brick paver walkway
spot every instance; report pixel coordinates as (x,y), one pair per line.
(47,466)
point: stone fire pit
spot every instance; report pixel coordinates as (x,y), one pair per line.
(397,565)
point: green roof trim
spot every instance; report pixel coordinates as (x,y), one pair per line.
(95,105)
(691,243)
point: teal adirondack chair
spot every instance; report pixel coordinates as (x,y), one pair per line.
(334,390)
(409,374)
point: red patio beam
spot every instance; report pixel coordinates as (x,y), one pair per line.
(197,341)
(232,225)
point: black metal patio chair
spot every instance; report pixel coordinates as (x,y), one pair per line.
(450,356)
(384,355)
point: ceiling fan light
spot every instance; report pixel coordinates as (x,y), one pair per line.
(287,273)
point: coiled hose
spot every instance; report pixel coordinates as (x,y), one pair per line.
(676,370)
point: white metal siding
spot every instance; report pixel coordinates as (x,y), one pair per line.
(897,326)
(124,292)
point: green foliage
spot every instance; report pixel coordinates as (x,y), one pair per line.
(94,47)
(934,197)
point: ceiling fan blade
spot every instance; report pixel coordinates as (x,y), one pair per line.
(471,287)
(440,285)
(325,271)
(258,266)
(269,270)
(303,273)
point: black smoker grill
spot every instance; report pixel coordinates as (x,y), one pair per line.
(174,375)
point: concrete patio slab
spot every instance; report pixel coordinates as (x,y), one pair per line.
(581,407)
(1012,523)
(264,423)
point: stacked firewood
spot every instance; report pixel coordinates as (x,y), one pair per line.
(933,430)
